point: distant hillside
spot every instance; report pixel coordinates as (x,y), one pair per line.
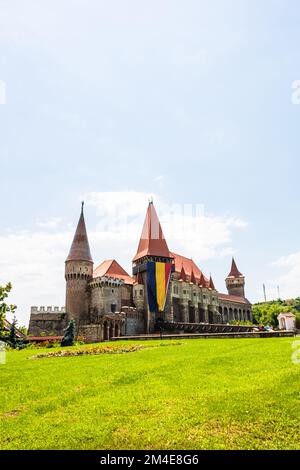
(266,313)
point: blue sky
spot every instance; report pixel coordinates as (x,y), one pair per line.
(112,101)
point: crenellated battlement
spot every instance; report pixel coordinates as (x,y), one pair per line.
(105,281)
(72,276)
(49,309)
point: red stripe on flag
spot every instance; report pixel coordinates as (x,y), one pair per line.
(167,273)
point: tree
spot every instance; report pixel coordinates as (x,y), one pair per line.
(23,329)
(266,313)
(12,337)
(69,336)
(4,307)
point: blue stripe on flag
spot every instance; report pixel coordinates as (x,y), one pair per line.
(151,286)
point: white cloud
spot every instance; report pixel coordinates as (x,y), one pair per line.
(288,279)
(34,261)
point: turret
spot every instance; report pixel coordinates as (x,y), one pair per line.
(182,275)
(78,272)
(153,263)
(152,244)
(211,284)
(235,281)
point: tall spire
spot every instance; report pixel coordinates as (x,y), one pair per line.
(152,241)
(182,275)
(211,284)
(193,278)
(80,249)
(234,270)
(202,282)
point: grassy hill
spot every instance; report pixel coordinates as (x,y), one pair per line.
(188,394)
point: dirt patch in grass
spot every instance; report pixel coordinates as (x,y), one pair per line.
(11,414)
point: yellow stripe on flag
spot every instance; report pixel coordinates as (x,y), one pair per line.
(160,285)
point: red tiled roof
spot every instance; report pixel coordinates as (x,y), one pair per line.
(189,266)
(111,268)
(289,315)
(152,241)
(80,249)
(234,270)
(44,338)
(233,298)
(7,326)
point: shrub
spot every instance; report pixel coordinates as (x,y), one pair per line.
(69,336)
(12,336)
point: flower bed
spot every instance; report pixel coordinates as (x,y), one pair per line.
(91,351)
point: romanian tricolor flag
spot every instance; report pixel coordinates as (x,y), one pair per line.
(158,277)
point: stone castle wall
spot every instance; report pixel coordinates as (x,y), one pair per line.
(47,321)
(109,295)
(190,303)
(135,323)
(236,311)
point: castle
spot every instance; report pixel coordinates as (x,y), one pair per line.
(107,302)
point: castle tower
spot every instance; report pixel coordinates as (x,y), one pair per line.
(152,249)
(235,281)
(78,272)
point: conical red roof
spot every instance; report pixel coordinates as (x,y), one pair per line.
(193,279)
(152,241)
(202,281)
(211,284)
(80,249)
(182,275)
(234,270)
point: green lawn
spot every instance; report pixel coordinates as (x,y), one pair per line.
(199,394)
